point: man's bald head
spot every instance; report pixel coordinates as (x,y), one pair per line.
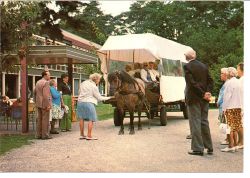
(190,54)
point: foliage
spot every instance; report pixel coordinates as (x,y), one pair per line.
(92,24)
(9,142)
(17,24)
(213,29)
(104,111)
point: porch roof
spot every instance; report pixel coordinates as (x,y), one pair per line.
(51,54)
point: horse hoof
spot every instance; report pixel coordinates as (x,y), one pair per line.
(121,132)
(132,132)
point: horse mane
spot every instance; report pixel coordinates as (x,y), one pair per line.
(125,77)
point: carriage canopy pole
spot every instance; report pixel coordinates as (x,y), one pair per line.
(133,56)
(106,82)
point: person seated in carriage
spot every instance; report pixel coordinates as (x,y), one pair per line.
(129,70)
(153,71)
(150,78)
(134,74)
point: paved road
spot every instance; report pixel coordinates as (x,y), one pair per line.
(159,149)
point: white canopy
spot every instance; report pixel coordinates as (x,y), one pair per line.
(140,48)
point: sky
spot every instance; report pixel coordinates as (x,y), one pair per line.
(107,6)
(115,7)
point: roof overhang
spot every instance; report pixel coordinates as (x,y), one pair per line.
(54,55)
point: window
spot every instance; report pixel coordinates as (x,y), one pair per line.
(53,66)
(76,87)
(117,65)
(63,67)
(58,67)
(11,83)
(172,67)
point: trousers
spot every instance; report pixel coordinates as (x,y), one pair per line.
(199,125)
(42,124)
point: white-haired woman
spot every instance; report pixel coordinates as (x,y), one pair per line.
(88,97)
(231,107)
(224,78)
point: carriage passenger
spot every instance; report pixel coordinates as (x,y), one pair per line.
(145,74)
(153,71)
(129,70)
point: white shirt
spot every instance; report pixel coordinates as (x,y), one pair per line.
(89,92)
(232,95)
(152,75)
(241,80)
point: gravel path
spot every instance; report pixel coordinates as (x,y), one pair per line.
(159,149)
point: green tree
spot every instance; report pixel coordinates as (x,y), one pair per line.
(213,28)
(92,24)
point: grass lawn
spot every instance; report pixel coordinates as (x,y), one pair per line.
(104,111)
(8,142)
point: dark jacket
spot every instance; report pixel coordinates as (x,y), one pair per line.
(198,81)
(66,89)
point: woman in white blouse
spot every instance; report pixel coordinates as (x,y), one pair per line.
(232,106)
(240,73)
(88,97)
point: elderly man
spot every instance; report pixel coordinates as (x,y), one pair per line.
(197,93)
(42,98)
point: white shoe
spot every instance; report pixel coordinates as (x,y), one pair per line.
(227,149)
(240,147)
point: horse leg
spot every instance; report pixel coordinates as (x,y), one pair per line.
(121,113)
(132,130)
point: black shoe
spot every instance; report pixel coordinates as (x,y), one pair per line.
(189,136)
(210,151)
(54,132)
(48,137)
(198,153)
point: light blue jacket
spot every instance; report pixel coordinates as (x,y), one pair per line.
(220,98)
(56,96)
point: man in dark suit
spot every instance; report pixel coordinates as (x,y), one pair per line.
(197,93)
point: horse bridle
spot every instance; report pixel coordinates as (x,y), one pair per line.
(118,81)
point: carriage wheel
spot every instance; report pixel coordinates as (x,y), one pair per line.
(184,110)
(117,118)
(163,115)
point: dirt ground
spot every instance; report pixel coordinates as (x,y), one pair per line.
(158,149)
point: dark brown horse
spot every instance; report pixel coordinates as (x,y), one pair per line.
(129,96)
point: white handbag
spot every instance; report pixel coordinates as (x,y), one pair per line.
(224,127)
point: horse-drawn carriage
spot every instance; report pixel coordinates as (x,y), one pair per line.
(138,48)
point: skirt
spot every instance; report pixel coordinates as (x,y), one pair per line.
(56,112)
(86,111)
(234,119)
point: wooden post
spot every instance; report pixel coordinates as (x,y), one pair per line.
(70,73)
(23,61)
